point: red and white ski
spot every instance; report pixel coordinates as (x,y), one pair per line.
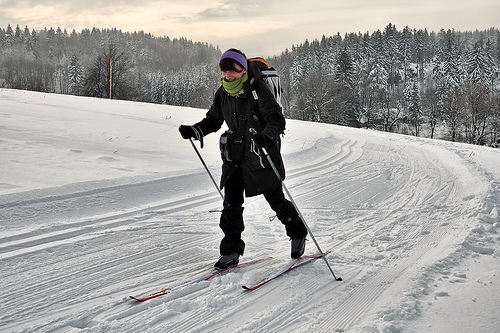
(206,277)
(291,266)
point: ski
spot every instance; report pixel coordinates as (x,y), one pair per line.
(294,264)
(205,277)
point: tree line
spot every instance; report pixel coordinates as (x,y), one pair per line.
(108,63)
(434,84)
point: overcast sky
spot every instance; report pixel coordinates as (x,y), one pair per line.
(259,27)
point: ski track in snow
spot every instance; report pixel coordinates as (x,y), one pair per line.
(390,208)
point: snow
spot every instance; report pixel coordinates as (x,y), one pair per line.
(102,199)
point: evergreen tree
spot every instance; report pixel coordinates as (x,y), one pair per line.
(346,92)
(480,66)
(447,68)
(405,50)
(9,37)
(420,51)
(415,114)
(75,76)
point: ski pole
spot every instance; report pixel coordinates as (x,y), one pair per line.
(264,150)
(206,168)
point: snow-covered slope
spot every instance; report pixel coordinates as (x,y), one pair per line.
(102,199)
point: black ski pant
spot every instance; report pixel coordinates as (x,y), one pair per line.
(231,220)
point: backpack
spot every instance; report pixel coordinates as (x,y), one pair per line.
(269,76)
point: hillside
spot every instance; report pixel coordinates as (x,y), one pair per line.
(102,199)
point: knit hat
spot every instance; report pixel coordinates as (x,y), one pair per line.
(238,57)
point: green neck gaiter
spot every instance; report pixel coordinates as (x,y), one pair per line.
(234,88)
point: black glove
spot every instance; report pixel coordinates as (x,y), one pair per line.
(260,140)
(188,132)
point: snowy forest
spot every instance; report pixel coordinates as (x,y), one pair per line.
(431,84)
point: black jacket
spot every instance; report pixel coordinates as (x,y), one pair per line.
(264,115)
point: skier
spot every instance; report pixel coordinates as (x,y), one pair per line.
(255,120)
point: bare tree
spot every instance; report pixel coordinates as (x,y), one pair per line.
(478,110)
(109,75)
(432,108)
(318,98)
(453,110)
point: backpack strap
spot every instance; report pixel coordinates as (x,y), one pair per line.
(255,111)
(255,95)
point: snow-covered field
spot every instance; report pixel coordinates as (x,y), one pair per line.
(102,199)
